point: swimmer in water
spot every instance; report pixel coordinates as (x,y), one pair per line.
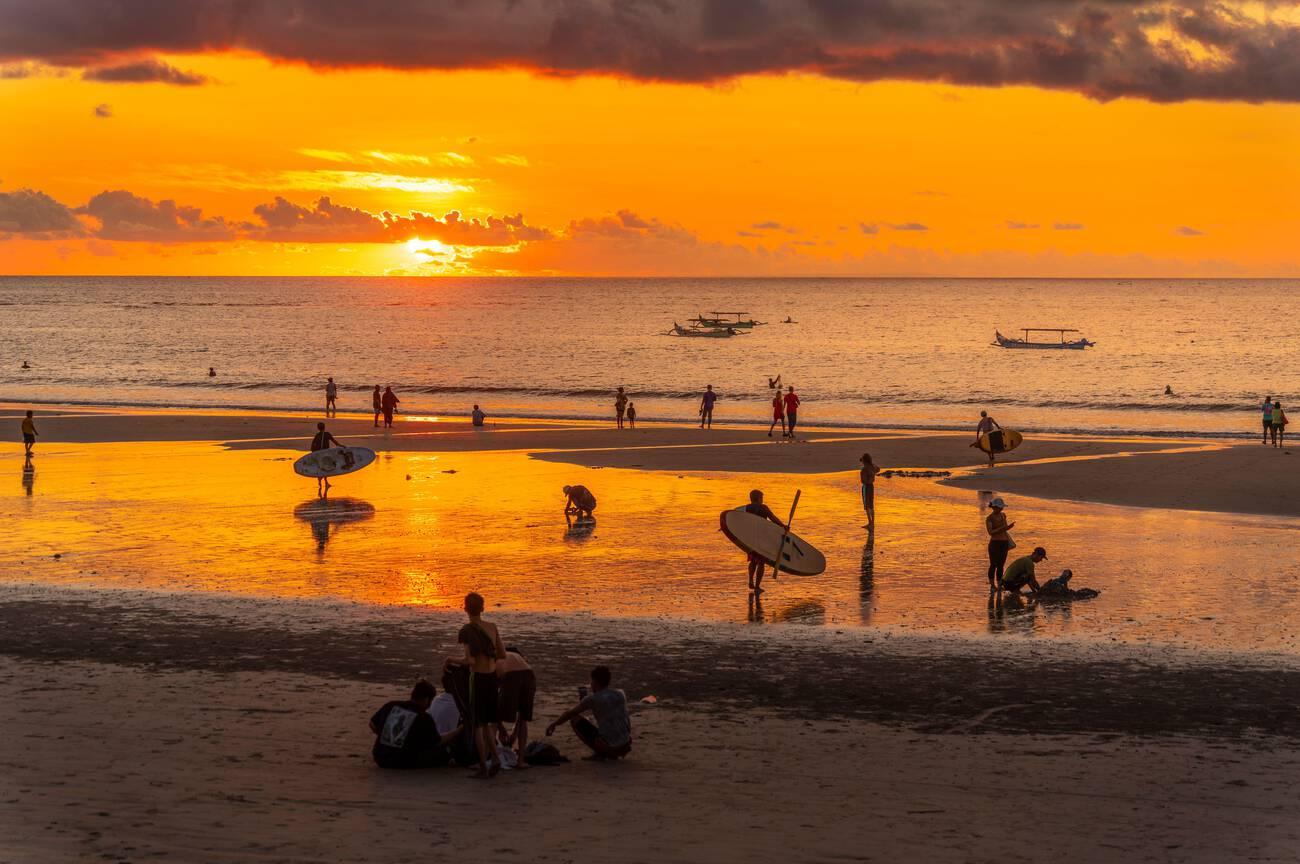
(212,373)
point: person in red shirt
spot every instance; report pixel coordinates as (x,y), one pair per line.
(791,402)
(778,416)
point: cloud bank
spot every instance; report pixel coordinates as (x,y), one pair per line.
(1163,50)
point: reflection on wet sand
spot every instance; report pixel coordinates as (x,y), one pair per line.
(578,530)
(867,579)
(329,514)
(799,611)
(29,476)
(1012,613)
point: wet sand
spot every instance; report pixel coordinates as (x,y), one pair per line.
(234,730)
(1215,477)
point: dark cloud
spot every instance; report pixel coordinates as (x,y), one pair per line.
(327,222)
(910,226)
(124,216)
(37,216)
(104,110)
(1021,226)
(144,72)
(1188,231)
(768,226)
(868,228)
(1067,226)
(1165,50)
(748,234)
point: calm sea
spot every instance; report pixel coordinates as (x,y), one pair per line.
(881,352)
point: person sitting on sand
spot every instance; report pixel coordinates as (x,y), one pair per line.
(1279,422)
(1021,572)
(448,717)
(518,685)
(29,435)
(631,415)
(483,648)
(579,500)
(999,541)
(610,737)
(989,425)
(868,477)
(477,417)
(405,733)
(756,562)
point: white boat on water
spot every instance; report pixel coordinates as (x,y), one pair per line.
(733,320)
(1078,344)
(704,332)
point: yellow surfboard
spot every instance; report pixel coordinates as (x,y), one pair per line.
(1000,440)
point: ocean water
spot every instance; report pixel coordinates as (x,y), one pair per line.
(875,352)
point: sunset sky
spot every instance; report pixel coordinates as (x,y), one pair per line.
(837,137)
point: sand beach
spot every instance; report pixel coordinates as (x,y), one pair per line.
(166,598)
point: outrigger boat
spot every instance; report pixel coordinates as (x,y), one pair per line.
(726,319)
(705,332)
(1073,344)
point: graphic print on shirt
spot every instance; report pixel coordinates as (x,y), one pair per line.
(397,727)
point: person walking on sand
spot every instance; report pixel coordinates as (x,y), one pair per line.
(791,404)
(778,415)
(389,403)
(29,435)
(483,648)
(631,415)
(756,563)
(331,398)
(1279,422)
(1267,409)
(706,406)
(323,440)
(999,530)
(989,425)
(377,398)
(620,407)
(868,477)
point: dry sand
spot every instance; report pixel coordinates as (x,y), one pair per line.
(191,729)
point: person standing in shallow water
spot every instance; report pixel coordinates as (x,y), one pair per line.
(331,398)
(1279,422)
(1267,415)
(389,404)
(778,415)
(706,406)
(999,541)
(868,477)
(378,399)
(791,404)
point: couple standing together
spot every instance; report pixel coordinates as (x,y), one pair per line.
(785,410)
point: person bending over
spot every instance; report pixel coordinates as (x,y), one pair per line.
(579,501)
(518,685)
(405,734)
(1020,573)
(610,737)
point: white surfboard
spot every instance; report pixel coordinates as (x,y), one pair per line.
(763,538)
(334,462)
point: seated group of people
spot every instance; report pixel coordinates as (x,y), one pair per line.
(485,690)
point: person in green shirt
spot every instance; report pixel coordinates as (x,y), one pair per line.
(1021,572)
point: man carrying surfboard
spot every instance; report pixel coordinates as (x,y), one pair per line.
(989,425)
(756,562)
(323,440)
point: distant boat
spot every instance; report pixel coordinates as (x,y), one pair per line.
(1062,343)
(704,332)
(726,319)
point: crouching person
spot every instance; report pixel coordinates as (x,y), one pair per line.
(405,734)
(610,737)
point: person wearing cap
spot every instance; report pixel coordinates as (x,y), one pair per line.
(579,500)
(1021,572)
(999,541)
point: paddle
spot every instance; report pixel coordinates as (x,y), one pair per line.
(780,551)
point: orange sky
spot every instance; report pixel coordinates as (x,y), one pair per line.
(885,178)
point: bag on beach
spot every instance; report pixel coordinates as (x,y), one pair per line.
(541,753)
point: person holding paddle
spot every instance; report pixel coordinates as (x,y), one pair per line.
(756,562)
